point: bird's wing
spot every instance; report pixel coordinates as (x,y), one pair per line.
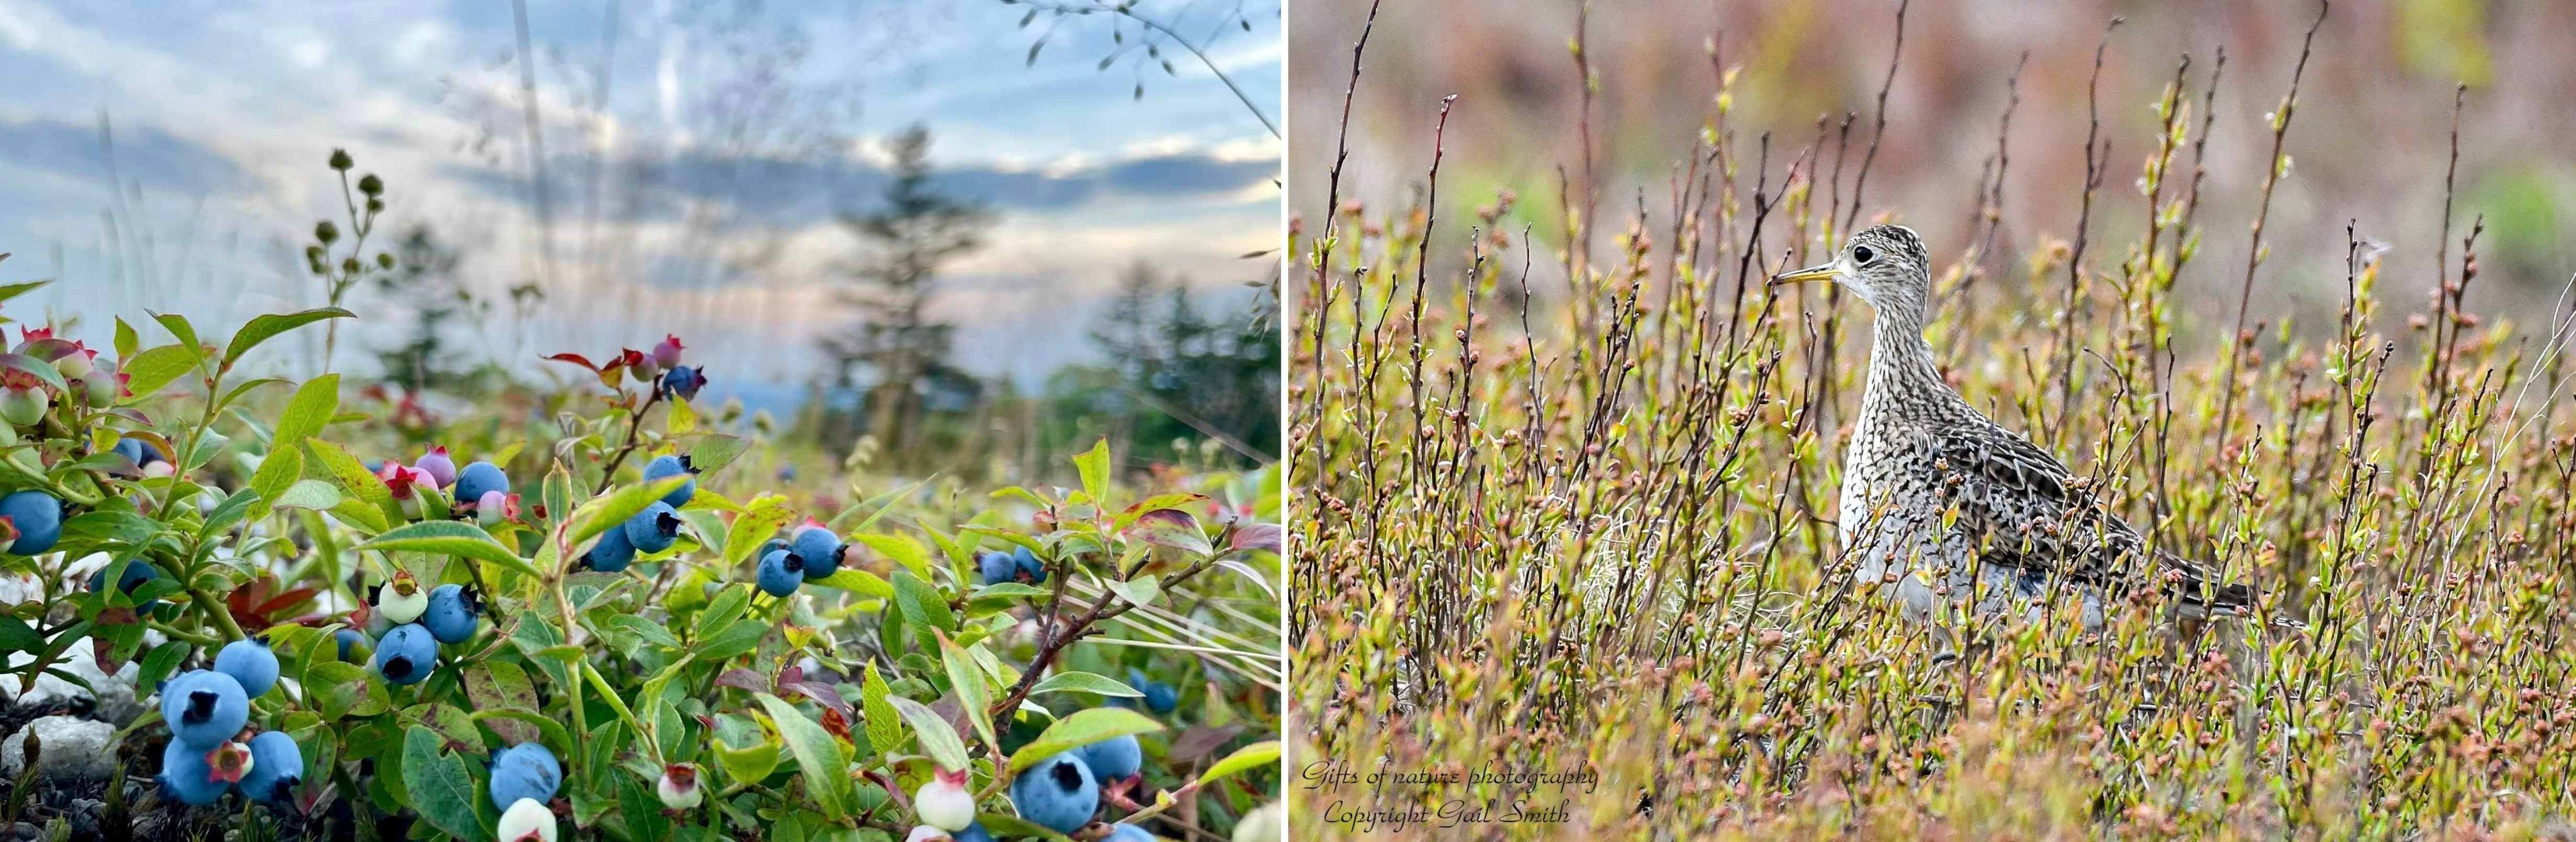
(2025,510)
(2020,506)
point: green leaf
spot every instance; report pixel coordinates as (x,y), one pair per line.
(856,581)
(747,765)
(818,756)
(354,478)
(1083,728)
(600,513)
(227,513)
(1094,466)
(1002,590)
(161,663)
(713,453)
(126,340)
(449,537)
(1157,502)
(1171,528)
(440,786)
(154,368)
(264,327)
(180,329)
(17,289)
(498,687)
(922,603)
(1004,826)
(903,550)
(1084,682)
(1255,756)
(647,629)
(1141,590)
(518,726)
(938,738)
(39,369)
(884,733)
(277,473)
(743,636)
(311,408)
(967,679)
(728,605)
(756,524)
(308,494)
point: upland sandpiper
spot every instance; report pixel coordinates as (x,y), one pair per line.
(1936,496)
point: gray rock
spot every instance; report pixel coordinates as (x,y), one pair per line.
(74,749)
(116,699)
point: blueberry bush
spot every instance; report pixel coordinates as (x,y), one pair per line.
(582,614)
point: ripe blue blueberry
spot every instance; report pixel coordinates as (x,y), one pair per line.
(973,833)
(136,573)
(526,770)
(1159,697)
(39,518)
(142,452)
(1124,832)
(611,554)
(780,572)
(352,639)
(251,663)
(204,708)
(407,654)
(276,767)
(821,550)
(1028,564)
(185,775)
(998,568)
(683,381)
(1059,793)
(478,478)
(666,467)
(1113,759)
(454,613)
(653,529)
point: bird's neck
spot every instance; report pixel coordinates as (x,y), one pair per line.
(1901,365)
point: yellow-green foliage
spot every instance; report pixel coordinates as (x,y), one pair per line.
(1605,544)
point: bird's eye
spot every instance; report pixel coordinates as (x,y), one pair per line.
(1862,254)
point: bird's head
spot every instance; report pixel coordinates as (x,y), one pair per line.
(1886,265)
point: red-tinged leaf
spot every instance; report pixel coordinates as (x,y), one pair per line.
(286,600)
(790,675)
(576,359)
(1199,740)
(743,679)
(105,653)
(822,694)
(1170,528)
(1259,536)
(837,723)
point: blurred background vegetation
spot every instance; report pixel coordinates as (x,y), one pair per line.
(2369,143)
(961,237)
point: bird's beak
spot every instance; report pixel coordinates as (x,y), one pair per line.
(1818,272)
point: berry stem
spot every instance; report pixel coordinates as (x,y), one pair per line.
(634,425)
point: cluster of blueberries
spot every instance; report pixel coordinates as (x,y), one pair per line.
(421,619)
(1018,565)
(813,552)
(651,530)
(481,489)
(1063,792)
(206,709)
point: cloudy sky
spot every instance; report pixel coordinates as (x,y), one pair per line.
(169,155)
